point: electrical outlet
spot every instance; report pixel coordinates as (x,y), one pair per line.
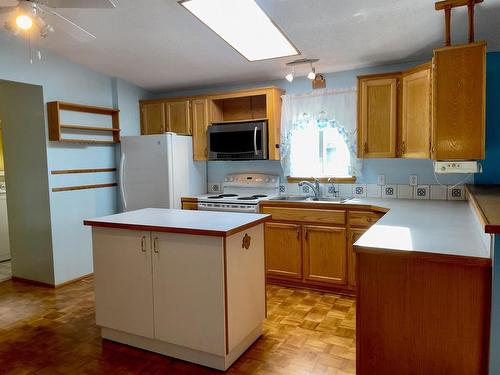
(413,180)
(381,180)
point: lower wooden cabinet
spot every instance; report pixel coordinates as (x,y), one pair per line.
(325,254)
(283,250)
(354,235)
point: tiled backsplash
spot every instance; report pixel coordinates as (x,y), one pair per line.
(390,191)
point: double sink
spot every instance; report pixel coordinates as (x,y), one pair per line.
(302,198)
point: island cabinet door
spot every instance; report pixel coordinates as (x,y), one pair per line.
(188,284)
(325,254)
(122,276)
(283,250)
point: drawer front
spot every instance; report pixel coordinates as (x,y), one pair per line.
(363,219)
(306,215)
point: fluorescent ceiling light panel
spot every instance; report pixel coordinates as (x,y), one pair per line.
(244,25)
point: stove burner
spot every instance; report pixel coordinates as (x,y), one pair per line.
(256,196)
(220,196)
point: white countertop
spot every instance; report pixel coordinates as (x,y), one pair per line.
(210,223)
(440,227)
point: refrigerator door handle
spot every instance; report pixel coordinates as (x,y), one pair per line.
(122,185)
(255,140)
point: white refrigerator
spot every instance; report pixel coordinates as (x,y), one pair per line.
(157,170)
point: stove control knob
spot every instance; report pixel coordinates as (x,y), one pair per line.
(267,179)
(273,180)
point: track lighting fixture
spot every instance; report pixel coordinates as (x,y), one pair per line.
(312,72)
(290,76)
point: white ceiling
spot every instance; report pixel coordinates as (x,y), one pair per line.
(158,45)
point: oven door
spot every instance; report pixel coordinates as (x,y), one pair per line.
(238,141)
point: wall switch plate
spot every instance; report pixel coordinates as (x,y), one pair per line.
(381,180)
(214,187)
(413,180)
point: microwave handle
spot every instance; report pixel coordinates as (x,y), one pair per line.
(255,140)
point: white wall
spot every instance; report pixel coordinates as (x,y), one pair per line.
(66,81)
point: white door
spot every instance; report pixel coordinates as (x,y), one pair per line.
(144,172)
(4,230)
(188,284)
(122,271)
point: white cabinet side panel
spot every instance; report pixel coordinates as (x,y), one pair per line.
(246,289)
(188,283)
(123,280)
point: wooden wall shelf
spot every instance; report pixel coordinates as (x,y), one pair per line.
(73,171)
(55,126)
(83,187)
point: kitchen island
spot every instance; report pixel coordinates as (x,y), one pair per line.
(187,284)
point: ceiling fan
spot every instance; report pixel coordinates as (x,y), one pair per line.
(41,16)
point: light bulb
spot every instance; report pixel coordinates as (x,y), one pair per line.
(290,76)
(24,22)
(312,73)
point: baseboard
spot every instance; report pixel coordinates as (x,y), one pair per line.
(316,288)
(47,285)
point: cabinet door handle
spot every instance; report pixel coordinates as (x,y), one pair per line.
(403,148)
(156,245)
(298,232)
(306,233)
(366,147)
(143,244)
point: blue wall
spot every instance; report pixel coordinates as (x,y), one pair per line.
(396,171)
(66,81)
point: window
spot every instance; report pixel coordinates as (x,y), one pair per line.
(319,153)
(319,134)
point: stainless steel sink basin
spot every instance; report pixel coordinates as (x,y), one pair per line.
(301,198)
(328,199)
(290,198)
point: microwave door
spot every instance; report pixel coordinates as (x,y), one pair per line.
(240,142)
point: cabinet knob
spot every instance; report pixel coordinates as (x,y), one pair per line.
(245,243)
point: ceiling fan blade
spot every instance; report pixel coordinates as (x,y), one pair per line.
(9,3)
(7,9)
(61,23)
(100,4)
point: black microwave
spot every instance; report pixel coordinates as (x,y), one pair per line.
(238,141)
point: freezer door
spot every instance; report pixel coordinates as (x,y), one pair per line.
(189,178)
(144,172)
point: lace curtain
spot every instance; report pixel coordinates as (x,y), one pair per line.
(312,122)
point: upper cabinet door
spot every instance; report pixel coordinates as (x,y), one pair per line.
(377,116)
(325,254)
(459,81)
(153,118)
(416,114)
(178,117)
(199,108)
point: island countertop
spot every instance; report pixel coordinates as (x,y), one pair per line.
(206,223)
(445,228)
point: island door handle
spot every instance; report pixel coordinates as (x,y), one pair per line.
(143,244)
(156,245)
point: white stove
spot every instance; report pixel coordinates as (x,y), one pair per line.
(241,193)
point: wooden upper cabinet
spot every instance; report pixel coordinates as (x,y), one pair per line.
(283,250)
(459,92)
(153,118)
(199,117)
(325,254)
(378,115)
(416,113)
(178,117)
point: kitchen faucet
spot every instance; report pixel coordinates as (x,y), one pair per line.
(314,187)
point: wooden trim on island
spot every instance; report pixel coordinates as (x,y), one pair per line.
(167,229)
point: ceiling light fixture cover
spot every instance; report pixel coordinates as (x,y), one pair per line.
(312,74)
(290,76)
(244,26)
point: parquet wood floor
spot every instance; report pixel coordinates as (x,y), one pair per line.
(46,331)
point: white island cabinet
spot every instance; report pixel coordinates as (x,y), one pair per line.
(187,284)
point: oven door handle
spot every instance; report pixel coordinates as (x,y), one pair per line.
(255,140)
